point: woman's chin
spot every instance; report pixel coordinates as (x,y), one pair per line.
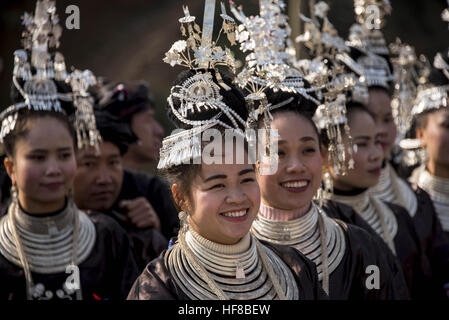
(298,203)
(366,185)
(235,235)
(52,200)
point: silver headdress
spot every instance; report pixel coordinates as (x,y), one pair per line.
(35,80)
(410,72)
(336,74)
(377,71)
(431,96)
(366,36)
(266,38)
(428,97)
(445,13)
(199,92)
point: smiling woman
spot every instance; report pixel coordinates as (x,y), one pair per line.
(214,252)
(44,236)
(214,255)
(288,215)
(389,221)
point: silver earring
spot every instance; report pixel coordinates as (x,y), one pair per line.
(184,225)
(14,194)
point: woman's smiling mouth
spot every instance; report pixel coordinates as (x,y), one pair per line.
(295,185)
(235,215)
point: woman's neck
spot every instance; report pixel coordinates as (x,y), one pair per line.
(213,236)
(345,187)
(36,208)
(271,212)
(437,170)
(348,193)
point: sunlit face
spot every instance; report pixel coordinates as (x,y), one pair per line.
(43,169)
(224,201)
(435,137)
(99,178)
(380,106)
(299,170)
(367,155)
(149,132)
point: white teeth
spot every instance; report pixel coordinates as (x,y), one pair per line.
(235,213)
(295,184)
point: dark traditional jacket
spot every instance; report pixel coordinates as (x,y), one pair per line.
(107,274)
(414,263)
(364,250)
(156,282)
(434,242)
(157,192)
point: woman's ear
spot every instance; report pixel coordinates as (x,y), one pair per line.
(175,194)
(10,169)
(180,200)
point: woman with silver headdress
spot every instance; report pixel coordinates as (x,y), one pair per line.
(389,221)
(432,118)
(377,59)
(214,255)
(287,214)
(48,248)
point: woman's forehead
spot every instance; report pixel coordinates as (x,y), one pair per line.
(361,122)
(46,133)
(223,169)
(290,123)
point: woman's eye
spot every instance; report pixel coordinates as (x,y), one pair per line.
(248,180)
(309,150)
(88,164)
(217,186)
(66,155)
(445,125)
(362,144)
(281,153)
(388,119)
(36,157)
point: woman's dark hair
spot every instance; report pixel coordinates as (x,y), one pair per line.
(420,121)
(22,127)
(115,131)
(122,99)
(183,175)
(436,78)
(299,105)
(351,108)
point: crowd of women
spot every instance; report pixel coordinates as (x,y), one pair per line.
(298,179)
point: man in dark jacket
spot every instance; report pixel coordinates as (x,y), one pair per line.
(141,203)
